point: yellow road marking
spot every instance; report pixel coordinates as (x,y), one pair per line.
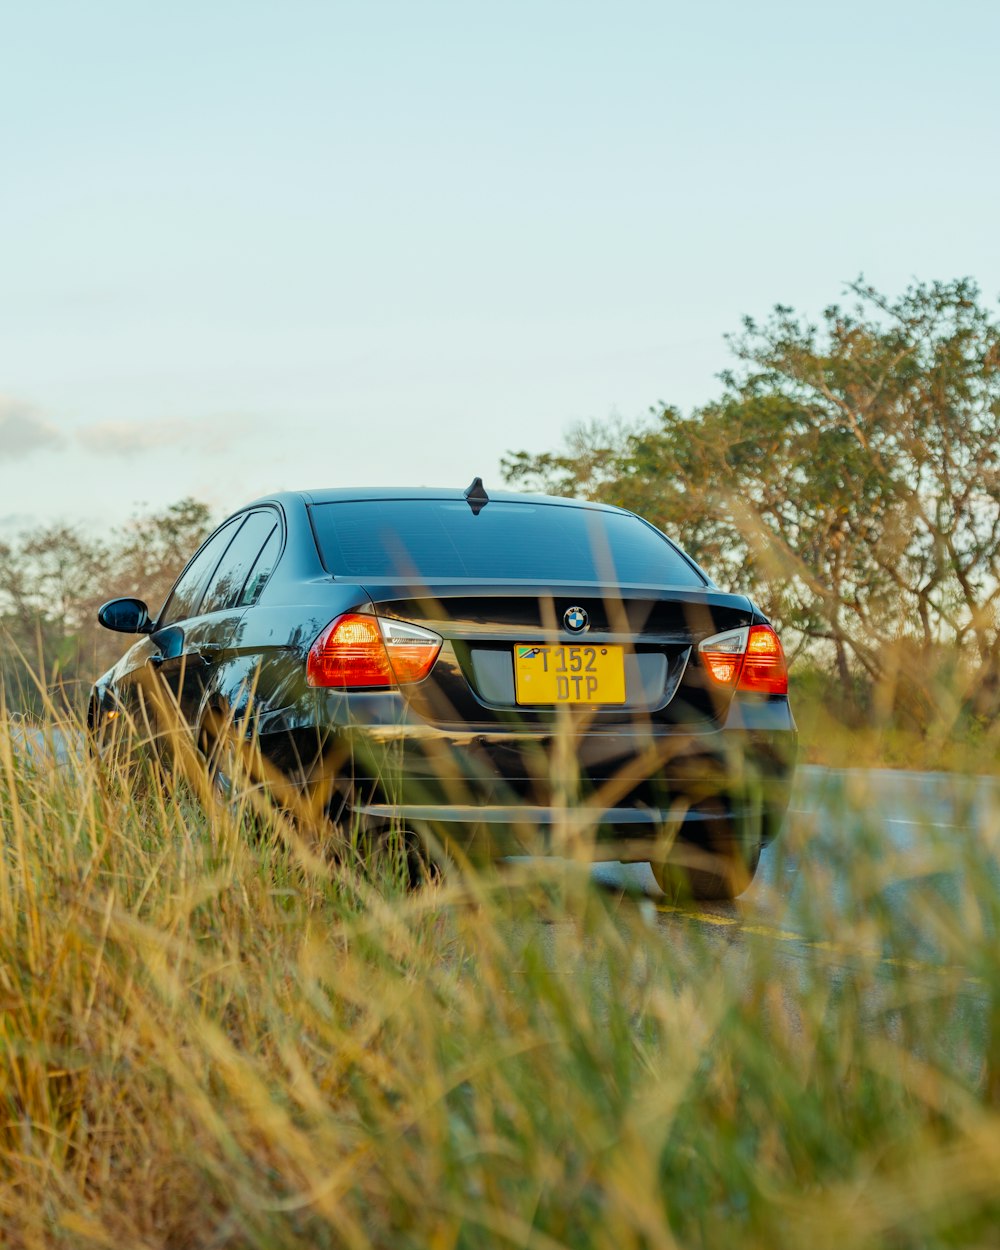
(833,948)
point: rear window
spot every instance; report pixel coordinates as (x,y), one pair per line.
(444,539)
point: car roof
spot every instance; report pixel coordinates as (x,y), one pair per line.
(359,494)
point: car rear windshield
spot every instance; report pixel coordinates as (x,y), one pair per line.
(443,539)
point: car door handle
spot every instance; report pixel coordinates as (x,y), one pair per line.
(209,652)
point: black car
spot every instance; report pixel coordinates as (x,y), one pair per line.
(498,673)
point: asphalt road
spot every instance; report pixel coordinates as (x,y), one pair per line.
(864,852)
(38,744)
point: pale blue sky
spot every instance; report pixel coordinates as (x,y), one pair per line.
(276,244)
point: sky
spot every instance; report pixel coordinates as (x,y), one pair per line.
(250,245)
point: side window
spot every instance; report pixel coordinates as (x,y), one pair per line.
(185,597)
(224,590)
(262,569)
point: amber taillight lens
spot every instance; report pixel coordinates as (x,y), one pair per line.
(360,651)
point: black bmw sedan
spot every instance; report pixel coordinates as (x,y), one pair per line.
(497,673)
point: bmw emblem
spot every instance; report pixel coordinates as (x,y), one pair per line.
(576,620)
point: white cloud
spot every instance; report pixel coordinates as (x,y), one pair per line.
(24,430)
(132,438)
(135,438)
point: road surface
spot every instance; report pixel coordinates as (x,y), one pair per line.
(865,853)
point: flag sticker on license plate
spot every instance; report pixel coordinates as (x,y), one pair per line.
(573,673)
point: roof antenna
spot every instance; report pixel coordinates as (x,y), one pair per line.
(476,496)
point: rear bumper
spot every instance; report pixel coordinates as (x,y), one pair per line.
(511,791)
(623,834)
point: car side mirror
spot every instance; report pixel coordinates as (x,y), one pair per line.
(125,616)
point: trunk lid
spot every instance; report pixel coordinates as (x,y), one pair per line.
(472,683)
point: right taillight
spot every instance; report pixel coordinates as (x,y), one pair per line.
(750,659)
(764,667)
(361,651)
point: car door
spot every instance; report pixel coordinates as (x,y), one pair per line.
(211,637)
(181,649)
(198,629)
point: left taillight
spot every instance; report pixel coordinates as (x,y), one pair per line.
(358,651)
(750,659)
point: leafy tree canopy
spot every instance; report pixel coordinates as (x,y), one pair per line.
(848,475)
(53,580)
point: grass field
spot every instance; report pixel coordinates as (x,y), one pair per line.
(213,1035)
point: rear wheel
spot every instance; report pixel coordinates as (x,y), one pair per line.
(407,855)
(723,872)
(229,763)
(387,856)
(215,743)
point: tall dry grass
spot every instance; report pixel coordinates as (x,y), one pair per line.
(214,1034)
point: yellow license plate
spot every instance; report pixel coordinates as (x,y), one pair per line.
(569,674)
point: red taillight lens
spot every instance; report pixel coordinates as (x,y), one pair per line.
(764,666)
(349,652)
(749,658)
(357,650)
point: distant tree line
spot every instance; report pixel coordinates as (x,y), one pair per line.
(847,476)
(54,578)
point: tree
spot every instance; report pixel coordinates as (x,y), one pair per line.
(54,578)
(848,475)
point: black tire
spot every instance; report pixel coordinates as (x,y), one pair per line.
(219,746)
(405,853)
(113,744)
(216,752)
(719,874)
